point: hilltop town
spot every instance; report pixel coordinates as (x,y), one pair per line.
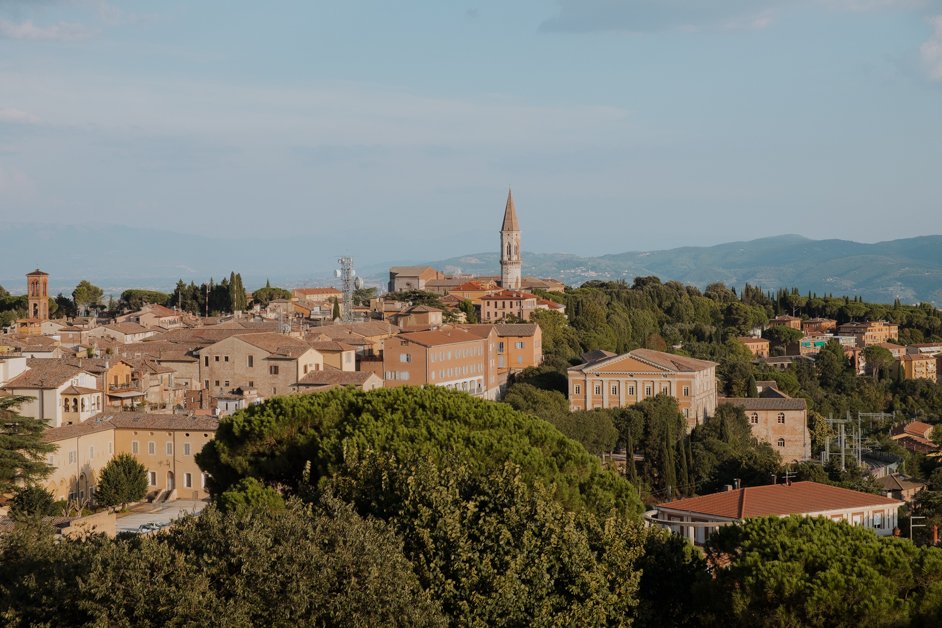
(721,407)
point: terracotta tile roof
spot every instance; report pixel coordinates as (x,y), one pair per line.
(98,423)
(474,286)
(441,336)
(330,345)
(919,428)
(411,271)
(745,339)
(365,330)
(44,374)
(481,330)
(917,357)
(149,421)
(420,309)
(798,498)
(658,359)
(127,328)
(765,403)
(509,295)
(896,482)
(278,345)
(334,377)
(518,330)
(303,292)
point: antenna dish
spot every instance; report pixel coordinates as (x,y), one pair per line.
(337,273)
(358,283)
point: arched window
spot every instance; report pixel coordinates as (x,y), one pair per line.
(83,404)
(781,442)
(508,249)
(781,417)
(65,405)
(754,419)
(75,404)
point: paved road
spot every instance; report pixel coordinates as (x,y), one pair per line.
(161,514)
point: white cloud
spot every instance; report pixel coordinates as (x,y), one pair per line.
(62,31)
(931,50)
(17,116)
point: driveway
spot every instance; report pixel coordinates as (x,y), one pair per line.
(161,514)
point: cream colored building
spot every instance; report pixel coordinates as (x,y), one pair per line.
(269,363)
(918,366)
(696,518)
(57,393)
(82,451)
(610,381)
(166,444)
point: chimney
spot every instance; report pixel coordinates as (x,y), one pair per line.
(728,488)
(736,482)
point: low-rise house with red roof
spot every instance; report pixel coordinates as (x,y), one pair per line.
(611,381)
(695,518)
(915,436)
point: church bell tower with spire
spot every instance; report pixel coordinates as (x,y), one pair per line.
(510,278)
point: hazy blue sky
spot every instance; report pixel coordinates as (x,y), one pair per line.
(622,125)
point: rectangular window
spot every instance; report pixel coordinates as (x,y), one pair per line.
(251,361)
(519,345)
(206,361)
(631,390)
(273,369)
(151,448)
(152,478)
(577,389)
(187,480)
(186,449)
(500,347)
(647,391)
(614,389)
(169,448)
(217,383)
(134,447)
(686,391)
(405,357)
(206,384)
(71,457)
(226,383)
(598,389)
(227,358)
(216,358)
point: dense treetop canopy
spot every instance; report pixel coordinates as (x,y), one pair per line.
(276,440)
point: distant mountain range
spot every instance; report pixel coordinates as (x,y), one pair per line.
(910,269)
(117,258)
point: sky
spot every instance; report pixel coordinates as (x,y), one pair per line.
(621,125)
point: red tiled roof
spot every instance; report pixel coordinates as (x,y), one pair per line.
(798,498)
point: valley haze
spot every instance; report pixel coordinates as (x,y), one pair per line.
(909,269)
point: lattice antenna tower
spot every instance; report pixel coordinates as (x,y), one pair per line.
(349,282)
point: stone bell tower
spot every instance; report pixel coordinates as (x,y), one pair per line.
(510,263)
(37,284)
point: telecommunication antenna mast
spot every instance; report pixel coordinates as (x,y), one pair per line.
(349,282)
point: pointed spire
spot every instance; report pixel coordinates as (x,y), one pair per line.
(510,214)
